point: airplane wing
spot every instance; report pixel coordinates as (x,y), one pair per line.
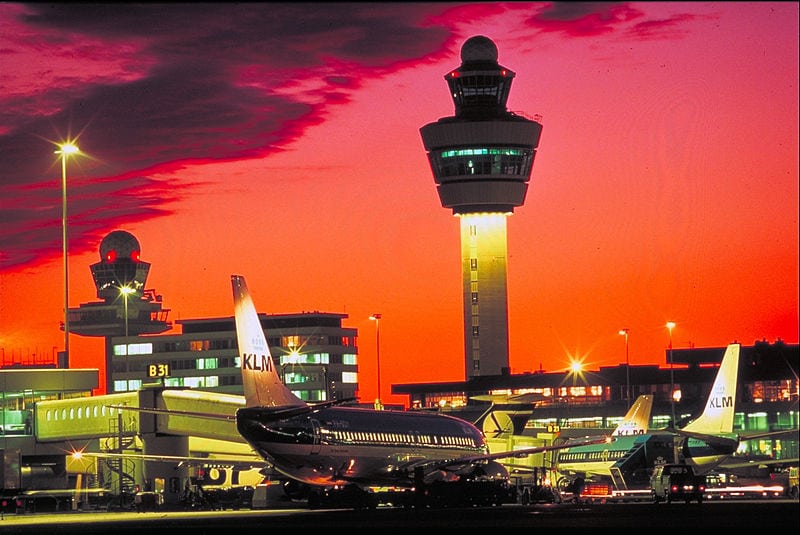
(768,434)
(731,441)
(237,462)
(732,463)
(723,442)
(278,415)
(510,399)
(524,452)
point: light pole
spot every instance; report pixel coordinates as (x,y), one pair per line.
(65,150)
(625,332)
(125,291)
(670,326)
(377,319)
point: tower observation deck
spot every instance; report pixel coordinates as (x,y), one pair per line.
(481,159)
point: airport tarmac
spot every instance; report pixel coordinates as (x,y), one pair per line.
(772,513)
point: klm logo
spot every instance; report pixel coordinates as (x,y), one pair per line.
(256,362)
(630,432)
(720,402)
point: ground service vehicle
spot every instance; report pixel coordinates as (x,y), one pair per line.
(676,482)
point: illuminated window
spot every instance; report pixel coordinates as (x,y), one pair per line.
(140,349)
(198,345)
(349,377)
(482,161)
(207,364)
(290,341)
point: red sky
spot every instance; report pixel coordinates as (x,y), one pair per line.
(281,142)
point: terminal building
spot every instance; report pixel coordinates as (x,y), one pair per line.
(316,354)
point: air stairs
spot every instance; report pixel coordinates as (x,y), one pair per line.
(625,465)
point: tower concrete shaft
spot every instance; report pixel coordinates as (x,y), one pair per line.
(481,159)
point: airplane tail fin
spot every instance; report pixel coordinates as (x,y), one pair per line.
(262,384)
(637,420)
(717,418)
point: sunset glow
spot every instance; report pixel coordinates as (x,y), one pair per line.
(284,145)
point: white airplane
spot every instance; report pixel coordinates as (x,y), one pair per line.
(705,443)
(329,445)
(597,459)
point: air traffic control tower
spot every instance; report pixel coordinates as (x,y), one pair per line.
(481,159)
(127,309)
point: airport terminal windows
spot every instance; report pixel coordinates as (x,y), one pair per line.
(199,382)
(350,377)
(133,349)
(205,355)
(304,358)
(771,391)
(15,422)
(198,345)
(127,385)
(207,363)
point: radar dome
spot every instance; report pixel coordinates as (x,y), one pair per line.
(479,48)
(119,245)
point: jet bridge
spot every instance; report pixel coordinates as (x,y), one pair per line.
(121,429)
(93,417)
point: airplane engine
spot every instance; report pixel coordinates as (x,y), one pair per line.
(491,471)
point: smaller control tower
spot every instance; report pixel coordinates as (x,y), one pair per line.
(127,309)
(481,159)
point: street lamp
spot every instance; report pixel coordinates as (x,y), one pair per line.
(377,319)
(625,332)
(65,150)
(670,326)
(125,291)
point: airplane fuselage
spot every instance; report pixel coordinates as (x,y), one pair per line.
(341,445)
(653,448)
(596,459)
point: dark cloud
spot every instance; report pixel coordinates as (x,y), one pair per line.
(298,33)
(180,83)
(207,96)
(586,19)
(582,19)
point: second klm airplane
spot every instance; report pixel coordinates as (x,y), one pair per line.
(633,450)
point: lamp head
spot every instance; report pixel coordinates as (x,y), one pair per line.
(67,148)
